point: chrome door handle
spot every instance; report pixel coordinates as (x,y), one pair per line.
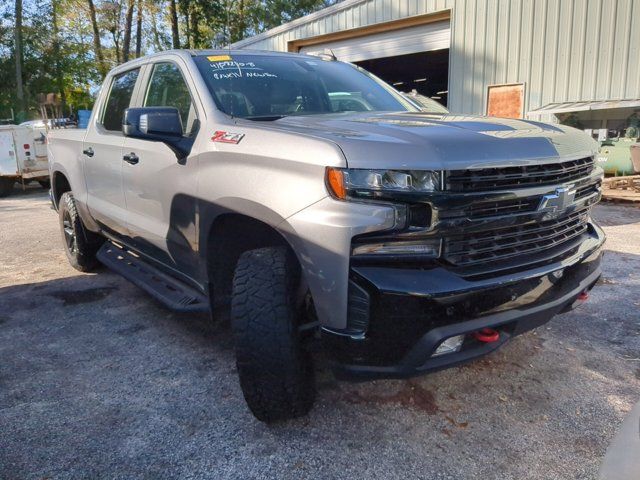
(88,152)
(131,158)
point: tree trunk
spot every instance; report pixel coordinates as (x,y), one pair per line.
(157,43)
(56,54)
(128,22)
(175,34)
(195,29)
(116,31)
(139,30)
(116,44)
(184,7)
(97,45)
(22,106)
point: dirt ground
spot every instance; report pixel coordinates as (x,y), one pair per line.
(99,381)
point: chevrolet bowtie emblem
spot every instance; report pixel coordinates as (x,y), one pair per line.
(555,203)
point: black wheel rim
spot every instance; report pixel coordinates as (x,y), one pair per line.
(69,233)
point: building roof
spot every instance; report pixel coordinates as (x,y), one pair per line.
(569,107)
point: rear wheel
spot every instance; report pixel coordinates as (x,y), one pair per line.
(81,245)
(276,371)
(6,186)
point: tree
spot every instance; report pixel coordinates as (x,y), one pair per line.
(139,30)
(56,53)
(97,44)
(111,20)
(18,58)
(175,33)
(126,44)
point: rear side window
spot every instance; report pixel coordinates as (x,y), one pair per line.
(167,88)
(119,99)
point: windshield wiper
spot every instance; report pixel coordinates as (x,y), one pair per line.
(265,118)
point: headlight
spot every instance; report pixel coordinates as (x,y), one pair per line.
(344,183)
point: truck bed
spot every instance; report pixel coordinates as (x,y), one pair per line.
(65,143)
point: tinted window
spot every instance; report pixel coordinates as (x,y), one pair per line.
(264,85)
(425,103)
(167,88)
(119,99)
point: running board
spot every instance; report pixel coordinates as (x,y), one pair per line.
(164,288)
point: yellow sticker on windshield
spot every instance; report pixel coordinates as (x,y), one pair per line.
(219,58)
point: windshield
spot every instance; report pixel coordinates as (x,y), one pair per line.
(270,87)
(425,103)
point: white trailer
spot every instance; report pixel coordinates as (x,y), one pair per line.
(23,156)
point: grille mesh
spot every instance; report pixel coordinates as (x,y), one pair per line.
(490,246)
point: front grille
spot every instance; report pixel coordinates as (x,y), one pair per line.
(490,246)
(485,179)
(512,206)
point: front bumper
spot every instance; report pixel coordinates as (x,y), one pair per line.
(410,312)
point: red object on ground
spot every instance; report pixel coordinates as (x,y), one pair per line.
(486,335)
(584,296)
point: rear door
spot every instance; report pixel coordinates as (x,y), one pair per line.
(8,162)
(159,191)
(102,150)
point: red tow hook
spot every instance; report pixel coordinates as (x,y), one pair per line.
(486,335)
(584,296)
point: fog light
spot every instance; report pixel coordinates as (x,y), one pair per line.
(427,248)
(450,345)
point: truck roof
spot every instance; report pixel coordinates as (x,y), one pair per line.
(195,53)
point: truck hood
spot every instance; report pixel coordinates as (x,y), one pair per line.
(440,142)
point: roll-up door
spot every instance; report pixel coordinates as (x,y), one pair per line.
(421,38)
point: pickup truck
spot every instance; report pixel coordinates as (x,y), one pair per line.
(322,211)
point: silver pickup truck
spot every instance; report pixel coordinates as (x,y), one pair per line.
(320,207)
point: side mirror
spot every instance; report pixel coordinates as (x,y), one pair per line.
(159,124)
(152,123)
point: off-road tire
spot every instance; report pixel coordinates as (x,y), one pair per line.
(6,186)
(80,244)
(276,371)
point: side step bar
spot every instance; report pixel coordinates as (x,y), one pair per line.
(164,288)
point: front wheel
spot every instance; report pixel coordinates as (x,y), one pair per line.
(276,371)
(81,245)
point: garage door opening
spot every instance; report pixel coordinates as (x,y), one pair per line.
(425,72)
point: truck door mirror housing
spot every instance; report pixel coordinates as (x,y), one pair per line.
(158,124)
(152,123)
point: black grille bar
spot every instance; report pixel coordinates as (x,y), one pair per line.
(485,179)
(495,245)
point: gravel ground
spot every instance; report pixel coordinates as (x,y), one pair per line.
(99,381)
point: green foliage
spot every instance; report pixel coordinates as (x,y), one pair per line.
(60,53)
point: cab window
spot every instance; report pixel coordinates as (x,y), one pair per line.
(118,100)
(167,88)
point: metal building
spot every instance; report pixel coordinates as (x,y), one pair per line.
(545,59)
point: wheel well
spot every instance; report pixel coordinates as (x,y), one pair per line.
(229,237)
(59,186)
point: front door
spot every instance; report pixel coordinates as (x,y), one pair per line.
(102,151)
(159,191)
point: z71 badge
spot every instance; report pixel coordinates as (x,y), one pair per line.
(226,137)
